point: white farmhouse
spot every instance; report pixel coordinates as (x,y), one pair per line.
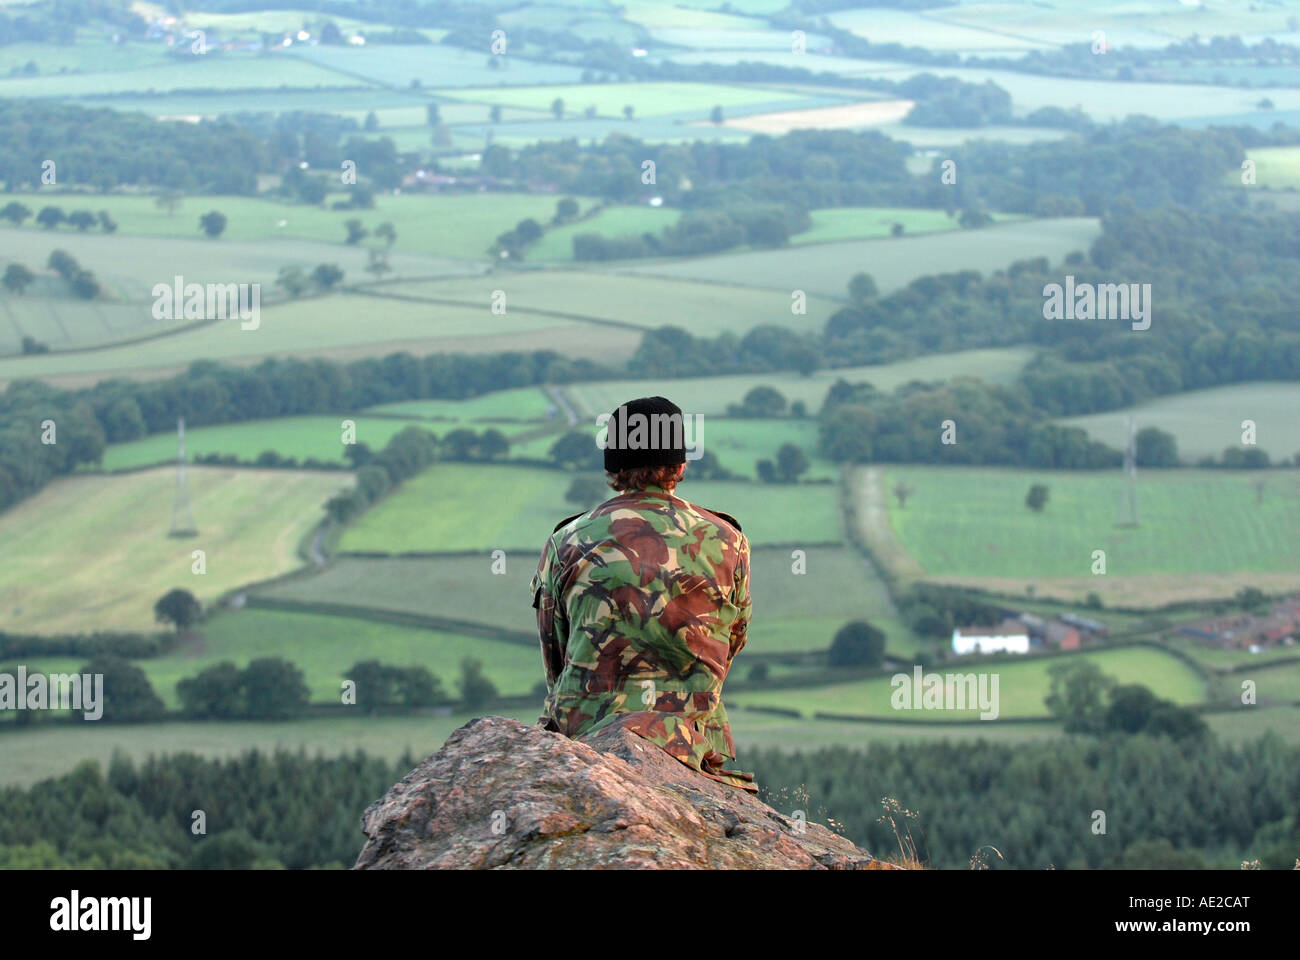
(1010,636)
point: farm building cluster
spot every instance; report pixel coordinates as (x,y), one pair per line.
(1021,632)
(1248,631)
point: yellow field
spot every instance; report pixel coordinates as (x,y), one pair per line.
(92,552)
(844,117)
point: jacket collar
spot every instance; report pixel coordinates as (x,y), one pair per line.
(650,490)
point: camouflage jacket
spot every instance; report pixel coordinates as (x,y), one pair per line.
(642,603)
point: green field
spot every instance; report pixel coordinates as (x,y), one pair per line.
(910,28)
(433,65)
(130,266)
(861,223)
(893,262)
(461,226)
(711,395)
(67,323)
(299,437)
(354,103)
(461,588)
(702,308)
(1276,168)
(828,226)
(792,612)
(739,444)
(53,749)
(972,523)
(524,403)
(324,648)
(1278,685)
(1204,422)
(801,612)
(92,553)
(557,244)
(455,507)
(1128,22)
(1107,100)
(654,15)
(609,99)
(228,72)
(97,54)
(1021,687)
(341,326)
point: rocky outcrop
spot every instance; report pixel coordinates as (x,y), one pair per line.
(503,794)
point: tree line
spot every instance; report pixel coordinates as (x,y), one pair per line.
(1204,805)
(1193,805)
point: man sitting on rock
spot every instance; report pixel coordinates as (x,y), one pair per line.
(643,602)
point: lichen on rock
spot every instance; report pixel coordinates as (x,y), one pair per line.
(503,794)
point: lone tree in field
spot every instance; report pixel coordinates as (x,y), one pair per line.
(178,607)
(1036,498)
(50,217)
(901,492)
(213,223)
(857,644)
(378,265)
(17,278)
(1155,448)
(715,116)
(790,463)
(129,697)
(762,401)
(84,285)
(356,232)
(387,233)
(432,115)
(494,113)
(557,108)
(275,688)
(83,220)
(862,288)
(291,281)
(15,212)
(169,200)
(1078,694)
(326,275)
(475,689)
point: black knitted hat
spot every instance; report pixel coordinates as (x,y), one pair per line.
(649,432)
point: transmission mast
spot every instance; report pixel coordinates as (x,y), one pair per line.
(1128,510)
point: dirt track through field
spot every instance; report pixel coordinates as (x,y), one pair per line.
(867,496)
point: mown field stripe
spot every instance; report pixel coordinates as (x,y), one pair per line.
(535,311)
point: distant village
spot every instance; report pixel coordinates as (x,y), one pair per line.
(1022,632)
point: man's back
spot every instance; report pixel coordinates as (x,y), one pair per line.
(641,605)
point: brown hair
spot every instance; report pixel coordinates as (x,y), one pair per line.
(638,478)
